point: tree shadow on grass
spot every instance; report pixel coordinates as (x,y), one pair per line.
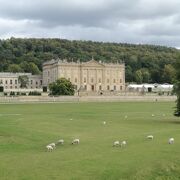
(177,121)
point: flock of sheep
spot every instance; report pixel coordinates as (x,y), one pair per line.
(123,143)
(170,141)
(52,146)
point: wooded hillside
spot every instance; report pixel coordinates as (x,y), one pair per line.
(144,63)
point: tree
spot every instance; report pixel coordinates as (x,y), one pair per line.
(23,81)
(33,68)
(177,88)
(62,86)
(129,74)
(25,51)
(169,73)
(14,68)
(138,76)
(145,75)
(30,67)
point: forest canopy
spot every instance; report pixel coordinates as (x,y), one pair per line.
(144,63)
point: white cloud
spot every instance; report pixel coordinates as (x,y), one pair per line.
(132,21)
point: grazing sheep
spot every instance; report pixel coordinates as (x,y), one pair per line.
(126,117)
(171,141)
(53,145)
(104,122)
(150,137)
(123,143)
(49,148)
(75,141)
(152,115)
(61,141)
(116,143)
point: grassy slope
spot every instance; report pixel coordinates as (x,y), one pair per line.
(25,129)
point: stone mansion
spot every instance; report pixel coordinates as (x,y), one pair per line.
(86,76)
(91,76)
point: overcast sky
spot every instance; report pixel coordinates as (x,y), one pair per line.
(131,21)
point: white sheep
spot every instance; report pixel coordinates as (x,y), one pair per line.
(171,141)
(152,115)
(116,143)
(104,122)
(75,141)
(126,117)
(53,145)
(49,148)
(123,143)
(61,141)
(150,137)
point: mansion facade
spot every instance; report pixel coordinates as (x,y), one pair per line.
(86,76)
(91,76)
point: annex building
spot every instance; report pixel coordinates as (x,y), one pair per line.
(86,76)
(9,82)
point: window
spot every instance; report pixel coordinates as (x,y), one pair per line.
(92,87)
(92,80)
(15,81)
(6,81)
(100,87)
(84,79)
(36,83)
(76,80)
(99,80)
(108,88)
(10,87)
(114,81)
(85,87)
(120,80)
(31,81)
(120,87)
(10,81)
(41,82)
(48,73)
(15,87)
(1,81)
(114,87)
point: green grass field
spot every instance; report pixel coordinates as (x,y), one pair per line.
(25,130)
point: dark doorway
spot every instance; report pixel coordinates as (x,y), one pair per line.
(92,87)
(44,88)
(149,89)
(1,89)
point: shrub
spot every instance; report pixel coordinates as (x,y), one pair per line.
(34,93)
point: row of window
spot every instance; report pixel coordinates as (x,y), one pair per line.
(10,81)
(16,82)
(100,88)
(99,80)
(36,82)
(15,87)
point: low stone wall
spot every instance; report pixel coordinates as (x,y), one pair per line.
(26,99)
(128,98)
